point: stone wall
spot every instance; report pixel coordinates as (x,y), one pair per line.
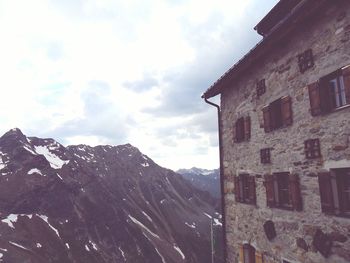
(329,39)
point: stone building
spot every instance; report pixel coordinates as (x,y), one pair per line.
(284,129)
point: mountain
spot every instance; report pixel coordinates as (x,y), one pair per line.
(105,204)
(203,179)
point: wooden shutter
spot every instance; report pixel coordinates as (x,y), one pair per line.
(251,254)
(270,192)
(247,128)
(252,190)
(241,254)
(295,193)
(346,78)
(326,95)
(239,130)
(259,257)
(267,118)
(315,99)
(237,189)
(286,109)
(326,193)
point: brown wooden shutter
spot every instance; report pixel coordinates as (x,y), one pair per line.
(326,193)
(346,77)
(251,254)
(295,193)
(247,128)
(326,95)
(270,191)
(241,254)
(237,189)
(252,190)
(286,109)
(267,118)
(315,99)
(236,132)
(239,130)
(259,258)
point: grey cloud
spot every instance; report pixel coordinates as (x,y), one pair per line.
(183,87)
(55,51)
(147,83)
(101,118)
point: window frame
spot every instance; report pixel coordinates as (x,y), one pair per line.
(242,129)
(331,186)
(305,60)
(323,100)
(260,87)
(312,148)
(265,155)
(274,191)
(278,114)
(249,251)
(245,189)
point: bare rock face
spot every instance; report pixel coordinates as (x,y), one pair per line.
(96,204)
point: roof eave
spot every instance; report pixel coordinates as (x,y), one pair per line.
(261,48)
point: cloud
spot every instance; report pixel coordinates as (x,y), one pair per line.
(55,51)
(101,120)
(146,83)
(113,71)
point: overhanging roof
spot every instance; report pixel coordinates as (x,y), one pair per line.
(276,14)
(305,9)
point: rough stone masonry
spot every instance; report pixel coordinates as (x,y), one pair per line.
(328,35)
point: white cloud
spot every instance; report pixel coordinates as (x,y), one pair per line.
(150,62)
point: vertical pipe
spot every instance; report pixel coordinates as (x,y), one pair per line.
(223,207)
(212,240)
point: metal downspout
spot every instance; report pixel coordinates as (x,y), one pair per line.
(223,208)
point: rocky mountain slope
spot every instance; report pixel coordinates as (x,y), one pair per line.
(100,204)
(203,179)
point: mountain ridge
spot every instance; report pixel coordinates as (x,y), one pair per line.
(96,204)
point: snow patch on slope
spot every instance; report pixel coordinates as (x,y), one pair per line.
(55,161)
(35,170)
(123,254)
(18,245)
(45,218)
(143,226)
(179,251)
(12,218)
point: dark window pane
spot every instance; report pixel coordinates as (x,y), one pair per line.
(249,253)
(343,184)
(283,189)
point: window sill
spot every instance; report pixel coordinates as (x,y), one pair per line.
(283,208)
(341,108)
(246,203)
(340,215)
(241,141)
(279,128)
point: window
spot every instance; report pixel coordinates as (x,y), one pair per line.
(265,156)
(312,148)
(260,87)
(242,129)
(335,191)
(247,254)
(330,92)
(278,114)
(245,189)
(283,191)
(305,60)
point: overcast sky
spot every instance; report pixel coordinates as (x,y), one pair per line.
(116,72)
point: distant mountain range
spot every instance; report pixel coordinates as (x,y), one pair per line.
(203,179)
(103,204)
